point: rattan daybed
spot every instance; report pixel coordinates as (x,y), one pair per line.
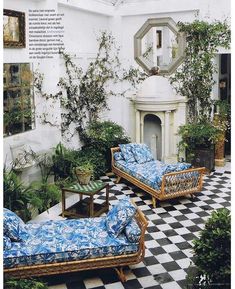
(183,181)
(134,254)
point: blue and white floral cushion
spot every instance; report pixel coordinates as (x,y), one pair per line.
(118,156)
(142,153)
(13,226)
(132,231)
(6,243)
(126,150)
(67,240)
(119,216)
(150,173)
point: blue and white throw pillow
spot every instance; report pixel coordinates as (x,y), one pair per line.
(133,231)
(13,226)
(6,243)
(142,153)
(118,156)
(119,216)
(127,153)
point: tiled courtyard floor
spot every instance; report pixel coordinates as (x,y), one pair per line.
(168,240)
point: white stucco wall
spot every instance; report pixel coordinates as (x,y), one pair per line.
(83,20)
(81,30)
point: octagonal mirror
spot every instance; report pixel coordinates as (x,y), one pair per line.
(158,43)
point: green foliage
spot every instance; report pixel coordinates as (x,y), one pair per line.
(44,195)
(105,134)
(12,283)
(85,167)
(84,94)
(64,161)
(90,154)
(212,256)
(15,194)
(98,138)
(102,136)
(194,135)
(194,79)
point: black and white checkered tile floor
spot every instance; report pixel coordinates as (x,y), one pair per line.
(168,240)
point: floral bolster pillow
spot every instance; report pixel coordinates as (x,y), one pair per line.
(126,150)
(132,231)
(119,216)
(13,226)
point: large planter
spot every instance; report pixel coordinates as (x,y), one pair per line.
(219,152)
(204,157)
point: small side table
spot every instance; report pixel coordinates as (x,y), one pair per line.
(86,207)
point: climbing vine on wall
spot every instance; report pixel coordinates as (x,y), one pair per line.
(194,79)
(84,94)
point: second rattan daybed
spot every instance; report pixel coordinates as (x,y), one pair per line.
(134,162)
(57,247)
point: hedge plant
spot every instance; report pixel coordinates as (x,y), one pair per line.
(212,253)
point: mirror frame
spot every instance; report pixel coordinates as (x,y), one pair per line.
(158,22)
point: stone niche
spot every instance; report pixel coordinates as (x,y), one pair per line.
(159,113)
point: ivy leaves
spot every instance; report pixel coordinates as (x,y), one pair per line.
(84,94)
(194,79)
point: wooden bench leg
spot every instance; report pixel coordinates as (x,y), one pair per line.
(118,180)
(121,274)
(154,202)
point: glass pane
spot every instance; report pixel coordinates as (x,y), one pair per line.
(14,74)
(18,99)
(159,46)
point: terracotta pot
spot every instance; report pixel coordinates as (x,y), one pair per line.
(83,177)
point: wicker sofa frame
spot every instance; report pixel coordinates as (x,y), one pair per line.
(173,185)
(116,262)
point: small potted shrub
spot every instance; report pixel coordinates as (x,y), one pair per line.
(84,173)
(198,140)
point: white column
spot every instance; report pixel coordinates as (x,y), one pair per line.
(167,135)
(137,126)
(142,127)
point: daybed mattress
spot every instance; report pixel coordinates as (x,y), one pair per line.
(150,173)
(67,240)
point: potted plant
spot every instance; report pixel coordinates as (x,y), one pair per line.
(84,173)
(198,141)
(194,80)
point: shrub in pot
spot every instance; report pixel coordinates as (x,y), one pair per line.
(198,140)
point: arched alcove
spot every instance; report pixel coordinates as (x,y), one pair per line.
(159,112)
(153,135)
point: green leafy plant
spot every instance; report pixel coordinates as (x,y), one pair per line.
(86,167)
(43,194)
(84,94)
(64,161)
(16,195)
(197,135)
(212,253)
(102,135)
(12,283)
(194,78)
(95,157)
